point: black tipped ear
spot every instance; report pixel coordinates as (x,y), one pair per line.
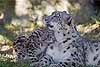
(69,21)
(44,17)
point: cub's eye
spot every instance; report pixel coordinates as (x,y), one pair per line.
(50,25)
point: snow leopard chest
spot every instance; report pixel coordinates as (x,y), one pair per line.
(62,50)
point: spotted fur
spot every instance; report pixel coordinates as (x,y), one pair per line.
(64,48)
(34,46)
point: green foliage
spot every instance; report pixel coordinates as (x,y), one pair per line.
(6,3)
(12,64)
(6,33)
(6,64)
(2,3)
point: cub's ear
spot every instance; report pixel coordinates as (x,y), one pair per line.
(44,19)
(67,17)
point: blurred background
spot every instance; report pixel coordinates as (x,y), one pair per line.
(23,16)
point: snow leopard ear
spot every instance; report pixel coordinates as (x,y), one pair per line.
(45,19)
(67,17)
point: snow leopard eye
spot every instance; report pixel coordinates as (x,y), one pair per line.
(51,26)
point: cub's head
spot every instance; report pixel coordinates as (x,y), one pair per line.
(59,21)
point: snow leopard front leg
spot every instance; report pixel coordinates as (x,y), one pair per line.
(65,64)
(44,61)
(69,64)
